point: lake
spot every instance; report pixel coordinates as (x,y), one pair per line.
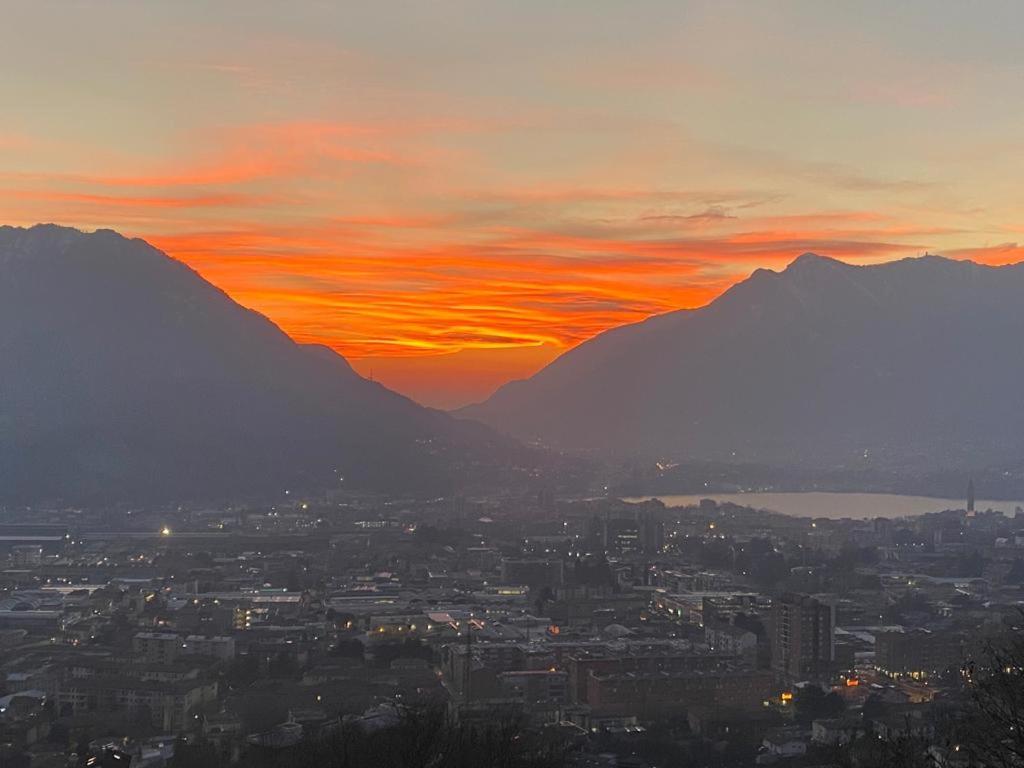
(837,505)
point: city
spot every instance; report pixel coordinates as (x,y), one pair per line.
(611,633)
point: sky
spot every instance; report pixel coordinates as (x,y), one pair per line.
(453,193)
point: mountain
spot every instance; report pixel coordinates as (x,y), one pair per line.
(914,364)
(125,376)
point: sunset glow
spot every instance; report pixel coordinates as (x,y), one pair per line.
(451,211)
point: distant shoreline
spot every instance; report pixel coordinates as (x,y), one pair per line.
(834,505)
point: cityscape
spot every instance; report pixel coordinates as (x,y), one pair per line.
(490,384)
(609,632)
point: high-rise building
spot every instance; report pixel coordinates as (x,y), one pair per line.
(803,628)
(638,532)
(970,496)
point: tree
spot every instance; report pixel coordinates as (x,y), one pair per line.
(260,710)
(812,703)
(410,648)
(283,665)
(1016,574)
(200,754)
(985,732)
(14,758)
(59,734)
(871,752)
(348,649)
(993,732)
(874,707)
(82,749)
(242,671)
(422,739)
(769,569)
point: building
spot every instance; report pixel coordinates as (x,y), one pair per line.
(785,743)
(642,532)
(168,706)
(637,659)
(26,555)
(700,607)
(218,647)
(51,539)
(917,653)
(535,573)
(803,630)
(33,621)
(836,731)
(732,640)
(533,686)
(161,647)
(654,694)
(589,606)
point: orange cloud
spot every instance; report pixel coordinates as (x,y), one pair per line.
(369,238)
(252,153)
(225,200)
(342,284)
(1004,253)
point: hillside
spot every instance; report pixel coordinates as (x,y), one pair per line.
(915,363)
(125,376)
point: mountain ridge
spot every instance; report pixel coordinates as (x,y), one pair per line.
(128,377)
(678,384)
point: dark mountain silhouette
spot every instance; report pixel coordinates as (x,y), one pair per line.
(125,376)
(917,363)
